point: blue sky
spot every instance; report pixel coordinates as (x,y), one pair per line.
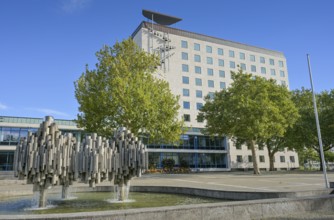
(45,44)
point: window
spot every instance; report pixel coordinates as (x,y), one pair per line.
(210,72)
(222,73)
(199,94)
(197,58)
(200,119)
(185,92)
(250,159)
(292,159)
(252,58)
(242,56)
(184,56)
(220,62)
(262,159)
(198,69)
(211,95)
(282,159)
(185,68)
(199,105)
(253,68)
(262,60)
(273,72)
(197,47)
(231,53)
(211,83)
(185,80)
(220,51)
(186,117)
(184,44)
(283,83)
(198,82)
(272,62)
(239,158)
(232,64)
(208,49)
(243,66)
(260,147)
(238,146)
(186,105)
(281,73)
(280,63)
(222,85)
(209,60)
(263,70)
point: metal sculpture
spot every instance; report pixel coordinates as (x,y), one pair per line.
(48,158)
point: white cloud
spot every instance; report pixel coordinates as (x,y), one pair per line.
(50,112)
(71,6)
(3,106)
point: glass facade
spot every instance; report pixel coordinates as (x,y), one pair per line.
(6,160)
(193,159)
(11,136)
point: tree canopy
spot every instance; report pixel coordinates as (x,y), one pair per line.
(304,133)
(122,92)
(251,109)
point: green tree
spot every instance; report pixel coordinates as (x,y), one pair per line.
(251,109)
(122,92)
(274,145)
(304,133)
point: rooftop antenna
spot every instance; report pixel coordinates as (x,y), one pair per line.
(163,48)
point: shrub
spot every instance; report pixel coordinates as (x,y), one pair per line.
(168,164)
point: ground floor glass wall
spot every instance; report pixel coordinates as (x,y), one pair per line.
(11,136)
(194,160)
(6,160)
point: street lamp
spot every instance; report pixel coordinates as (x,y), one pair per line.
(318,125)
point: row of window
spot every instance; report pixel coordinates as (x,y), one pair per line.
(186,118)
(240,159)
(210,71)
(186,105)
(192,160)
(231,53)
(194,142)
(11,136)
(198,82)
(198,70)
(199,93)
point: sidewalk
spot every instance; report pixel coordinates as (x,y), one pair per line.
(232,181)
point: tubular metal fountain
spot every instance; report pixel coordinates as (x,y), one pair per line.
(48,158)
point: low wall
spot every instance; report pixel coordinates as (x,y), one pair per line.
(256,209)
(220,194)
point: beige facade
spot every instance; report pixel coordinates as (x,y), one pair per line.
(196,65)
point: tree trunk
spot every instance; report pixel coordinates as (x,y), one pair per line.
(251,144)
(271,161)
(321,168)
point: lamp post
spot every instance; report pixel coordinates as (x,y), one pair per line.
(318,125)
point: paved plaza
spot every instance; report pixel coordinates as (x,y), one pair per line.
(240,181)
(291,181)
(229,181)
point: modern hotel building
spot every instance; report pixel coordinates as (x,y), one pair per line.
(194,65)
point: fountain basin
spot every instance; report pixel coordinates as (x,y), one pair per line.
(98,201)
(260,208)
